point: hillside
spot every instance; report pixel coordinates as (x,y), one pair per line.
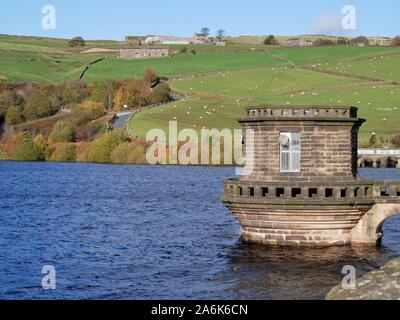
(363,77)
(217,82)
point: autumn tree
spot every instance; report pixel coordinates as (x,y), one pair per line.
(161,93)
(13,116)
(27,150)
(150,76)
(38,106)
(133,93)
(104,92)
(143,91)
(85,112)
(66,152)
(100,150)
(62,131)
(71,91)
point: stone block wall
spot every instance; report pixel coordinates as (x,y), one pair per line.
(326,153)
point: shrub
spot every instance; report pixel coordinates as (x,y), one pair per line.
(65,153)
(41,143)
(100,149)
(77,42)
(62,132)
(82,149)
(161,93)
(87,111)
(27,150)
(150,76)
(396,140)
(137,155)
(13,116)
(121,153)
(270,40)
(38,106)
(8,99)
(71,91)
(374,141)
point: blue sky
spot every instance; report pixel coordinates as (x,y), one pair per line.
(113,19)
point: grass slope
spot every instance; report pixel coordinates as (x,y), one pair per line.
(181,65)
(218,82)
(329,54)
(288,85)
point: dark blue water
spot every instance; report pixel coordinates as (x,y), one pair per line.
(136,232)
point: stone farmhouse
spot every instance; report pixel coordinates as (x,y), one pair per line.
(143,53)
(298,42)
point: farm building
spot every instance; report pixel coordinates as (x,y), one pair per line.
(143,53)
(298,42)
(360,41)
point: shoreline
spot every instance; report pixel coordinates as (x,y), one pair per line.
(125,164)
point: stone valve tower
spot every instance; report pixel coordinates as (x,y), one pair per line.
(303,188)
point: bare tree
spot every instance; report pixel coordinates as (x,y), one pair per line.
(205,31)
(220,34)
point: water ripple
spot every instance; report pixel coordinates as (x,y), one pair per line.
(137,232)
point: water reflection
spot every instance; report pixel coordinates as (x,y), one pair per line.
(259,272)
(263,272)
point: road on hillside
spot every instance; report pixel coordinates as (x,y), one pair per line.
(122,120)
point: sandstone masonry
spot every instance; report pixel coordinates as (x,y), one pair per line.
(304,188)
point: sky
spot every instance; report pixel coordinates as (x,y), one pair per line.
(113,19)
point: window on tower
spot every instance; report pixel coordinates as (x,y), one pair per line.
(289,151)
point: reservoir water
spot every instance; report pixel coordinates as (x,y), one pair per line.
(143,232)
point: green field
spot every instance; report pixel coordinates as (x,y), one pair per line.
(322,55)
(217,82)
(377,66)
(182,65)
(40,67)
(289,84)
(260,84)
